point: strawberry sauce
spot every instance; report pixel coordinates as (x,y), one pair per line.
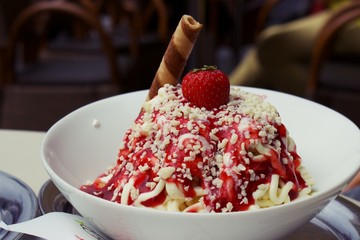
(185,154)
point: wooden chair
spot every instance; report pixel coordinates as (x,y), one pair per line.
(263,15)
(137,15)
(139,34)
(126,43)
(37,96)
(47,7)
(335,80)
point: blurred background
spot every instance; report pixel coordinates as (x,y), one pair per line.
(58,55)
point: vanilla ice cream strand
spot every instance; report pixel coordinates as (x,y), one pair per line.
(176,54)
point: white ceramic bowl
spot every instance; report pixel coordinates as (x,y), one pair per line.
(83,144)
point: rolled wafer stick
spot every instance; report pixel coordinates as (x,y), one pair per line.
(176,55)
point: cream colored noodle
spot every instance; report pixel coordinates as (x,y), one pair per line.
(277,192)
(267,195)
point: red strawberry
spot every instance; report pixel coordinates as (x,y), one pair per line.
(206,87)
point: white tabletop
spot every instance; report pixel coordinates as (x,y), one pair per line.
(20,156)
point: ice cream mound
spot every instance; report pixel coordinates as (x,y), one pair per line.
(179,157)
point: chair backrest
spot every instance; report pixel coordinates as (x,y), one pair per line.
(336,82)
(325,39)
(71,9)
(277,12)
(38,106)
(263,15)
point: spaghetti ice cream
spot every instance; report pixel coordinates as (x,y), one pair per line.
(181,157)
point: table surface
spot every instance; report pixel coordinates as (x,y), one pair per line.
(20,156)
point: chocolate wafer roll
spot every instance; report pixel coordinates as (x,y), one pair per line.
(176,54)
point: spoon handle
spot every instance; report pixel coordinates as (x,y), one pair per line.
(4,226)
(57,226)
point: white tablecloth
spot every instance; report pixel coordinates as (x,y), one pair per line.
(20,156)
